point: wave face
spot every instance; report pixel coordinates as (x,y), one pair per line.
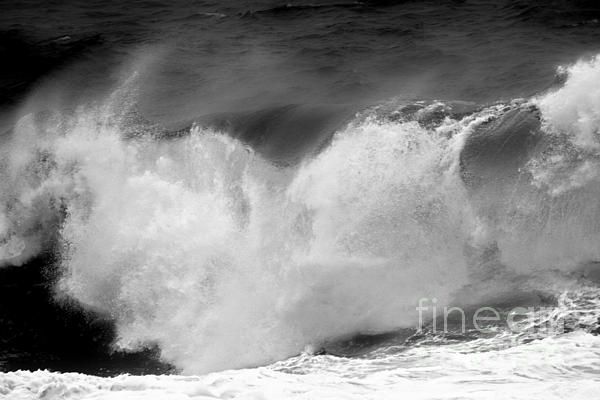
(532,173)
(203,246)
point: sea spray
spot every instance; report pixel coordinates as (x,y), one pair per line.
(204,247)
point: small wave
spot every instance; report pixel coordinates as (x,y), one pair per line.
(297,8)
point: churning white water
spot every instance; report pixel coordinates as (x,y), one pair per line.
(200,245)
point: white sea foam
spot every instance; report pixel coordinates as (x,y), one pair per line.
(552,368)
(504,365)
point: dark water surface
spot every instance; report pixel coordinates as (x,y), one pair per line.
(204,57)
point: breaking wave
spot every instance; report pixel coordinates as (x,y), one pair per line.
(205,247)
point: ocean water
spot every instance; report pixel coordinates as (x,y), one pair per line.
(272,200)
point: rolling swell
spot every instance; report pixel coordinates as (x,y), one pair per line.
(283,134)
